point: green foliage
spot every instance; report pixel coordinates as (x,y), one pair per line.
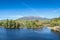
(29,23)
(1,23)
(55,22)
(10,24)
(37,20)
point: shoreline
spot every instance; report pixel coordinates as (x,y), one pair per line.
(55,29)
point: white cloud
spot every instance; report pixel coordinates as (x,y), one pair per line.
(10,17)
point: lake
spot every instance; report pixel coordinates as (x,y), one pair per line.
(28,34)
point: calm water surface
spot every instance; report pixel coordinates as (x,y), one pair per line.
(28,34)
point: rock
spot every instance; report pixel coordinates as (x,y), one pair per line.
(56,28)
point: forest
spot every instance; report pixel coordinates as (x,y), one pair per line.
(29,23)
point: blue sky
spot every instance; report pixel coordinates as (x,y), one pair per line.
(14,9)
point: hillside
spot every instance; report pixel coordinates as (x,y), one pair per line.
(32,18)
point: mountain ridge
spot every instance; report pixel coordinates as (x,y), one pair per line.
(32,18)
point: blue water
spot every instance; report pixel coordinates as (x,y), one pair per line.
(28,34)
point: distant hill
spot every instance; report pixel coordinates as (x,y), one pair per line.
(58,18)
(32,18)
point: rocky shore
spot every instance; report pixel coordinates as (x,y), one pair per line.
(55,29)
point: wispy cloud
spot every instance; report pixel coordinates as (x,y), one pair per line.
(11,17)
(32,9)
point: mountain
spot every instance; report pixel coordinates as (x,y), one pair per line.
(32,18)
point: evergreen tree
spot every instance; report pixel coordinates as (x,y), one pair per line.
(7,23)
(14,24)
(10,24)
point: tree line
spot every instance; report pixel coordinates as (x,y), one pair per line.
(10,24)
(29,23)
(15,24)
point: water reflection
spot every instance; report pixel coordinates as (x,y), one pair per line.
(28,34)
(2,34)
